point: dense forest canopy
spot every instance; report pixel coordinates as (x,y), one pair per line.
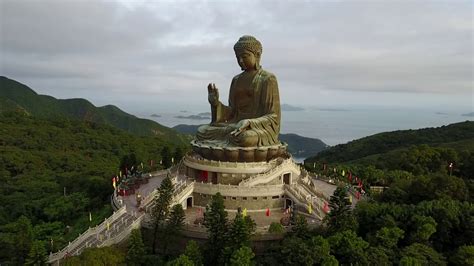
(54,172)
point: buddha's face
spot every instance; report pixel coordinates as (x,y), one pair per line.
(247,60)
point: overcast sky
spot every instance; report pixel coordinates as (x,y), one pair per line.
(162,54)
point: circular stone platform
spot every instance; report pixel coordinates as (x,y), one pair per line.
(238,154)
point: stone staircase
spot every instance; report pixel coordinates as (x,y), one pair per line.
(286,165)
(117,227)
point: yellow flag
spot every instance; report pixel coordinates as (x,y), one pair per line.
(343,173)
(244,212)
(350,198)
(310,209)
(120,173)
(108,226)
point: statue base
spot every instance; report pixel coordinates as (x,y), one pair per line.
(225,153)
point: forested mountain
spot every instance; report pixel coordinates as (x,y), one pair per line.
(457,136)
(54,172)
(16,96)
(298,146)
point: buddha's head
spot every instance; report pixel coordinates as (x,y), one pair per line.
(248,51)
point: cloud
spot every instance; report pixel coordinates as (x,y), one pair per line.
(117,51)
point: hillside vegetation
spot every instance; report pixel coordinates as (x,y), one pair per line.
(54,172)
(16,96)
(382,143)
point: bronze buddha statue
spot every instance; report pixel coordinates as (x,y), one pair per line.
(252,118)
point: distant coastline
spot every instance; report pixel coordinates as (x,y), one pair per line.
(471,114)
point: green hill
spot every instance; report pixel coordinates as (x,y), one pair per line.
(298,146)
(373,146)
(17,96)
(53,172)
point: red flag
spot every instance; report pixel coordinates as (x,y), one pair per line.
(267,213)
(326,207)
(357,195)
(350,177)
(360,183)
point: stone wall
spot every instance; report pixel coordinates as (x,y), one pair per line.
(251,203)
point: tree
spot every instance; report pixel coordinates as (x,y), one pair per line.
(425,255)
(320,249)
(37,255)
(276,228)
(388,237)
(18,238)
(348,247)
(240,231)
(340,217)
(136,249)
(166,157)
(242,257)
(215,220)
(295,251)
(194,253)
(463,256)
(174,224)
(182,260)
(423,228)
(161,209)
(178,154)
(300,228)
(378,256)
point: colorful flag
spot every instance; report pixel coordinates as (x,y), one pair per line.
(90,217)
(244,212)
(326,208)
(267,213)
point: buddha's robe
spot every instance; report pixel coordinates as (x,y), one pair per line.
(259,102)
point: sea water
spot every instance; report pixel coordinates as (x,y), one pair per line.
(337,126)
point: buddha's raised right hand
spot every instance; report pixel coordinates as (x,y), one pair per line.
(213,94)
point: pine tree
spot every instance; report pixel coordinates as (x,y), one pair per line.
(161,209)
(242,257)
(340,218)
(215,220)
(166,157)
(174,224)
(37,255)
(136,249)
(194,253)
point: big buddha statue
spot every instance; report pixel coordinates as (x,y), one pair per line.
(251,120)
